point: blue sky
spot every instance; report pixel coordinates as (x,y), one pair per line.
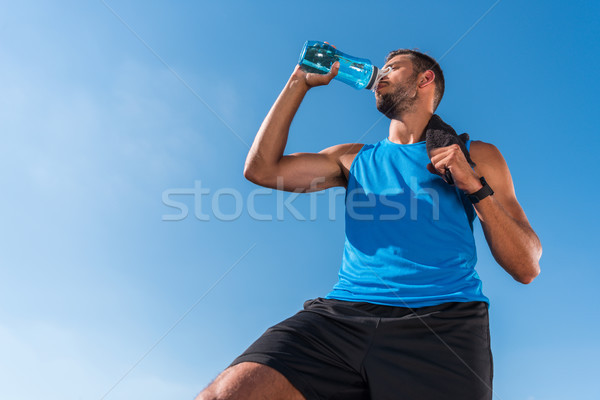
(98,124)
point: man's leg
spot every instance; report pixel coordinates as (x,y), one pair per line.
(437,352)
(249,380)
(316,353)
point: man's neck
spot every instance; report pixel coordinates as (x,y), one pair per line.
(409,128)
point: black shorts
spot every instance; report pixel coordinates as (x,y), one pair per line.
(337,349)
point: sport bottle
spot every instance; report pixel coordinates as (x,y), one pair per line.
(360,73)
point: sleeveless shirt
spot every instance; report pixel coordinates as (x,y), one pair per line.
(408,234)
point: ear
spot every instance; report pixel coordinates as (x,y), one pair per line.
(427,79)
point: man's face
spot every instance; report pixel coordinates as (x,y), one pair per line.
(397,92)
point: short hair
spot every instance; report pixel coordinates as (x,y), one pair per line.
(421,63)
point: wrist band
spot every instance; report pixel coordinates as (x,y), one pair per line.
(482,193)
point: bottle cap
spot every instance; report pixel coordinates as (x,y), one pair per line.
(376,77)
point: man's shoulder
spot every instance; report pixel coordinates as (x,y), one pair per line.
(344,148)
(491,164)
(484,153)
(344,154)
(343,151)
(480,144)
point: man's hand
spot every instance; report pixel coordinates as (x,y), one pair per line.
(312,79)
(452,158)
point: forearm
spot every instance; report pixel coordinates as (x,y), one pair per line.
(514,246)
(270,141)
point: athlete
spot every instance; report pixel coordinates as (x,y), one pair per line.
(407,318)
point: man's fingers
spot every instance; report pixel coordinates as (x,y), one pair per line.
(328,77)
(432,169)
(313,79)
(334,69)
(442,164)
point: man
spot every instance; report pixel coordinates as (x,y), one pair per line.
(407,319)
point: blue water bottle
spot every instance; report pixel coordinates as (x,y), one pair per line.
(360,73)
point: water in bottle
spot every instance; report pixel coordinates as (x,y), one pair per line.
(360,73)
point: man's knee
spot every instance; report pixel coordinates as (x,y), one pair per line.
(250,380)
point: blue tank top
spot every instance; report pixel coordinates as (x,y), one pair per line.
(409,235)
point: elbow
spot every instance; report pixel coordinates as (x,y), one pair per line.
(251,175)
(257,176)
(532,271)
(525,280)
(259,170)
(260,173)
(248,173)
(251,169)
(527,277)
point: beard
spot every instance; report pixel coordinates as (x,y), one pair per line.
(402,100)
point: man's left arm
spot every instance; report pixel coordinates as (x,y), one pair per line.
(512,241)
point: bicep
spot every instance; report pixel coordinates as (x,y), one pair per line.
(492,165)
(309,172)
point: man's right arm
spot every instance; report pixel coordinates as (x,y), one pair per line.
(306,172)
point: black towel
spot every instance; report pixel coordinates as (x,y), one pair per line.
(440,134)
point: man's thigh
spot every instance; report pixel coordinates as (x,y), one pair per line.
(440,352)
(250,381)
(320,353)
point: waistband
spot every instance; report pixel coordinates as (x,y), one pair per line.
(364,309)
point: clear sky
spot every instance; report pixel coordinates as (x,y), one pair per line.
(107,292)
